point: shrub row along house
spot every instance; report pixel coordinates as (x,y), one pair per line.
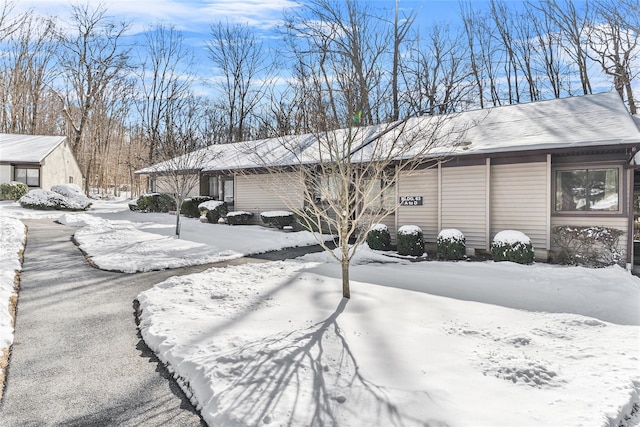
(528,167)
(39,161)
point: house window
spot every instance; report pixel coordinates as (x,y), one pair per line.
(228,190)
(70,180)
(587,190)
(29,176)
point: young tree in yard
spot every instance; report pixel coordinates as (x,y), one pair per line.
(182,147)
(343,182)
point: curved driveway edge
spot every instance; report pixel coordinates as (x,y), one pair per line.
(77,358)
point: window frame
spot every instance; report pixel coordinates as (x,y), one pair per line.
(27,168)
(622,183)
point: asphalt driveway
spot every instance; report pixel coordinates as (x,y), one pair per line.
(77,358)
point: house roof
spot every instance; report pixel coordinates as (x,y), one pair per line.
(27,148)
(574,122)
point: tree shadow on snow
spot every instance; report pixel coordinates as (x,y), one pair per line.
(311,375)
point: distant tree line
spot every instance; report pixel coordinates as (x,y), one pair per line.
(124,105)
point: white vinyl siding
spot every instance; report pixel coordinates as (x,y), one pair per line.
(166,184)
(423,183)
(464,203)
(268,192)
(519,200)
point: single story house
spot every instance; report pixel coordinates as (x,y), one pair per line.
(529,167)
(39,161)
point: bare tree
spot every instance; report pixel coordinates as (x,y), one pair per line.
(26,74)
(435,73)
(341,48)
(615,46)
(573,24)
(346,178)
(165,79)
(183,153)
(90,58)
(245,72)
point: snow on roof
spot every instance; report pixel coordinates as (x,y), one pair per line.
(580,121)
(27,148)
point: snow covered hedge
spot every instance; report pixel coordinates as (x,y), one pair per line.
(450,244)
(379,238)
(67,197)
(591,246)
(213,210)
(154,202)
(13,190)
(278,219)
(239,217)
(190,205)
(512,245)
(410,240)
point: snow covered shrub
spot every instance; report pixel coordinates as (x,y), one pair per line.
(591,246)
(155,202)
(379,237)
(410,240)
(50,200)
(13,190)
(511,245)
(278,219)
(450,244)
(239,217)
(74,193)
(190,205)
(213,210)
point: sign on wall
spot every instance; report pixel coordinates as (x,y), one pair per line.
(410,200)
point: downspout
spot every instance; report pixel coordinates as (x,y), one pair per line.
(549,207)
(487,205)
(631,190)
(439,196)
(631,170)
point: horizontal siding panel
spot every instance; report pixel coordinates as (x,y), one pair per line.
(519,200)
(266,192)
(420,183)
(464,202)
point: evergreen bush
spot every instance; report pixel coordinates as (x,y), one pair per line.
(379,237)
(239,218)
(154,202)
(278,219)
(450,244)
(514,246)
(410,240)
(190,205)
(590,246)
(50,200)
(213,210)
(13,190)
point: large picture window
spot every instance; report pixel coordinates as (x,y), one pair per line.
(29,176)
(587,190)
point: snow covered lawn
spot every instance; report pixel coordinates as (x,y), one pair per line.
(131,241)
(12,239)
(503,344)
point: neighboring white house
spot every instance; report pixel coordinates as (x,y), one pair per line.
(40,161)
(529,167)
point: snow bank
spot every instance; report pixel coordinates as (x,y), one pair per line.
(274,344)
(12,240)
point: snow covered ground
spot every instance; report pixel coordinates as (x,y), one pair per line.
(12,239)
(427,343)
(507,345)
